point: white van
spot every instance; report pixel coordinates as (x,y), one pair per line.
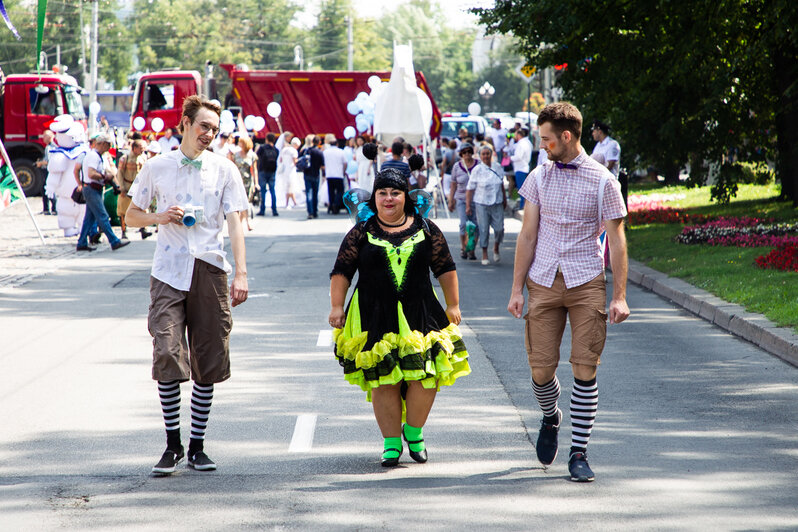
(452,122)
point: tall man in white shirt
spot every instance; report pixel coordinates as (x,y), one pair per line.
(606,147)
(334,169)
(188,285)
(521,157)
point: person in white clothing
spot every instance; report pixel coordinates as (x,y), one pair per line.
(365,167)
(334,171)
(499,136)
(607,148)
(197,192)
(286,171)
(520,158)
(62,160)
(485,194)
(168,142)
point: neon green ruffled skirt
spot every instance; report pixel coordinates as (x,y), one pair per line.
(436,359)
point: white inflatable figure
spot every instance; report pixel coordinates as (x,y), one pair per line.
(71,139)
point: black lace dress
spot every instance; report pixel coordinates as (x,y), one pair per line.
(396,329)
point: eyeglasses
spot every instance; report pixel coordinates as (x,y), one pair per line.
(206,127)
(467,152)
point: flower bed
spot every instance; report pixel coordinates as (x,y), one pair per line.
(784,257)
(749,232)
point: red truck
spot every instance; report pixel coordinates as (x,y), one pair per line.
(27,103)
(311,101)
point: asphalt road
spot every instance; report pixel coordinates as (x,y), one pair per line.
(696,428)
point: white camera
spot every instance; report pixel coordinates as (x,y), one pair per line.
(193,214)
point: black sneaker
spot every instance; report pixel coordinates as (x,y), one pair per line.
(96,238)
(85,248)
(122,243)
(546,446)
(201,462)
(168,462)
(579,468)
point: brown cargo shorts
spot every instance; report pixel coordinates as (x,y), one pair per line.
(203,312)
(584,305)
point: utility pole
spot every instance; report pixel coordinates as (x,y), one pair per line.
(350,48)
(95,14)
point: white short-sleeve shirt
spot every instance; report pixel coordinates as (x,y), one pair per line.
(487,184)
(168,144)
(92,160)
(611,151)
(334,162)
(217,187)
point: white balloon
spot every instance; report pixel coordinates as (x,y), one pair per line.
(226,115)
(260,123)
(353,108)
(362,123)
(139,123)
(274,109)
(216,102)
(349,132)
(374,81)
(249,122)
(94,108)
(157,124)
(361,97)
(474,108)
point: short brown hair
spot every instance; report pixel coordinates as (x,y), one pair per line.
(191,107)
(562,116)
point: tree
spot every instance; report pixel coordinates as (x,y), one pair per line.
(510,88)
(63,27)
(330,35)
(696,82)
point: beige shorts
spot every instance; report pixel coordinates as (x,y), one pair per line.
(122,203)
(204,313)
(584,306)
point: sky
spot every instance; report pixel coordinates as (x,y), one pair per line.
(455,10)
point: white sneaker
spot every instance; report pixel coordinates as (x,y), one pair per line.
(497,257)
(485,262)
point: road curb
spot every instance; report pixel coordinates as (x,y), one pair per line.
(755,328)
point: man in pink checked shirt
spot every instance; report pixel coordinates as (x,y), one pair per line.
(571,198)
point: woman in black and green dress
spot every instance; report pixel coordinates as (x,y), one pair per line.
(395,340)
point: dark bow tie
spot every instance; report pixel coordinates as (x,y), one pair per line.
(563,165)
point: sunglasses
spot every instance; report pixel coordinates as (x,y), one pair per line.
(467,152)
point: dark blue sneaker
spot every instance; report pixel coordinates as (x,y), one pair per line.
(579,468)
(546,446)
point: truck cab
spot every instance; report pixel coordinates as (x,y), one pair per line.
(28,102)
(161,94)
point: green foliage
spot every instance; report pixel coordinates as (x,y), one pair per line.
(63,27)
(695,80)
(330,35)
(510,88)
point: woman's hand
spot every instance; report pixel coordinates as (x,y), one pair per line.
(451,206)
(453,313)
(337,317)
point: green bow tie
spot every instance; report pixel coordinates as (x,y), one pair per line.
(196,163)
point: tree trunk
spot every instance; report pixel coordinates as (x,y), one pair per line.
(672,175)
(785,60)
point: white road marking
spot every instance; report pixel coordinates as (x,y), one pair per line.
(250,296)
(302,441)
(325,338)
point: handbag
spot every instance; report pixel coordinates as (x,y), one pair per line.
(77,196)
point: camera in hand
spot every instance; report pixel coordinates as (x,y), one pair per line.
(193,214)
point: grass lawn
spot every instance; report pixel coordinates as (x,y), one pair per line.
(728,272)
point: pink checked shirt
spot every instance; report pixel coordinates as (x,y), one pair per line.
(569,223)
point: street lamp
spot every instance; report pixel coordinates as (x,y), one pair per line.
(486,91)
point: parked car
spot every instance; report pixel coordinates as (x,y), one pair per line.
(452,122)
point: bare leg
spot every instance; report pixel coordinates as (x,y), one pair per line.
(419,403)
(387,404)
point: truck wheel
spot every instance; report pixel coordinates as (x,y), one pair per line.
(29,177)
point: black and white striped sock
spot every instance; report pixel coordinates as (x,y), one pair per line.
(201,399)
(547,395)
(169,393)
(584,403)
